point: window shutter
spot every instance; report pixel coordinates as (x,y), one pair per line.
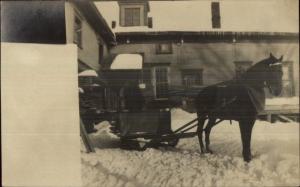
(101,53)
(113,24)
(150,24)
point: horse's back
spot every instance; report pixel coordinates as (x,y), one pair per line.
(226,100)
(206,99)
(213,95)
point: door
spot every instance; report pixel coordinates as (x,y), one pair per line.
(161,82)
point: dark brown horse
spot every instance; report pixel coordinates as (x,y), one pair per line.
(240,99)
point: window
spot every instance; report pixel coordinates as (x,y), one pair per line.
(215,12)
(133,13)
(101,52)
(78,32)
(241,67)
(161,82)
(287,79)
(192,77)
(85,81)
(132,16)
(147,77)
(164,49)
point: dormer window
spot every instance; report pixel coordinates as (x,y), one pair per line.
(133,13)
(132,16)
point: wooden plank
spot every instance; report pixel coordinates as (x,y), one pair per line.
(265,112)
(280,109)
(85,138)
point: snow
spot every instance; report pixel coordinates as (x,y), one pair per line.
(236,16)
(88,73)
(81,90)
(275,148)
(127,61)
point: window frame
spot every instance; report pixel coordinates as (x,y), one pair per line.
(192,72)
(77,32)
(155,82)
(132,24)
(236,63)
(289,66)
(122,19)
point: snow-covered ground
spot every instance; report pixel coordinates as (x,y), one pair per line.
(275,148)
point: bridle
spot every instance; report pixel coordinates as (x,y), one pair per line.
(269,85)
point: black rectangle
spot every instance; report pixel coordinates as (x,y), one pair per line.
(215,12)
(33,22)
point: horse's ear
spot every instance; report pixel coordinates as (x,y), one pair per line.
(280,59)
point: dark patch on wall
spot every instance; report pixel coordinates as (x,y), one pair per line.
(33,22)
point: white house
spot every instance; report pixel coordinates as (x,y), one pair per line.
(198,43)
(86,27)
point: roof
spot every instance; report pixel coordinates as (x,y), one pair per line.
(96,20)
(276,16)
(127,61)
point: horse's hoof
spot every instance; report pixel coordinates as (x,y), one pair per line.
(209,151)
(247,159)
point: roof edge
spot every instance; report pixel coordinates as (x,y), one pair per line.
(96,20)
(204,36)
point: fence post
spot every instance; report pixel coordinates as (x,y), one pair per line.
(269,118)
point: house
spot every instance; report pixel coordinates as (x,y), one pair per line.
(193,44)
(86,27)
(59,22)
(76,23)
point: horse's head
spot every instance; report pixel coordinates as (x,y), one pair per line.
(274,74)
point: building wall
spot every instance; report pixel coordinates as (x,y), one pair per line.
(215,59)
(89,52)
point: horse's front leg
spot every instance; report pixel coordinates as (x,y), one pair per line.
(201,121)
(246,126)
(209,126)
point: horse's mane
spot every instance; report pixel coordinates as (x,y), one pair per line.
(258,65)
(254,72)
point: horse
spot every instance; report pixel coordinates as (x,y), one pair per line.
(239,99)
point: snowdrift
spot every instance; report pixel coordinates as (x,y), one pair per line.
(275,148)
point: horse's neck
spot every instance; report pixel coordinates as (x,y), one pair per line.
(254,81)
(255,76)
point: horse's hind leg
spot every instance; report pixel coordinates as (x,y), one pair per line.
(201,121)
(209,126)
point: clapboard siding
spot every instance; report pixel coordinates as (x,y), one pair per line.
(215,59)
